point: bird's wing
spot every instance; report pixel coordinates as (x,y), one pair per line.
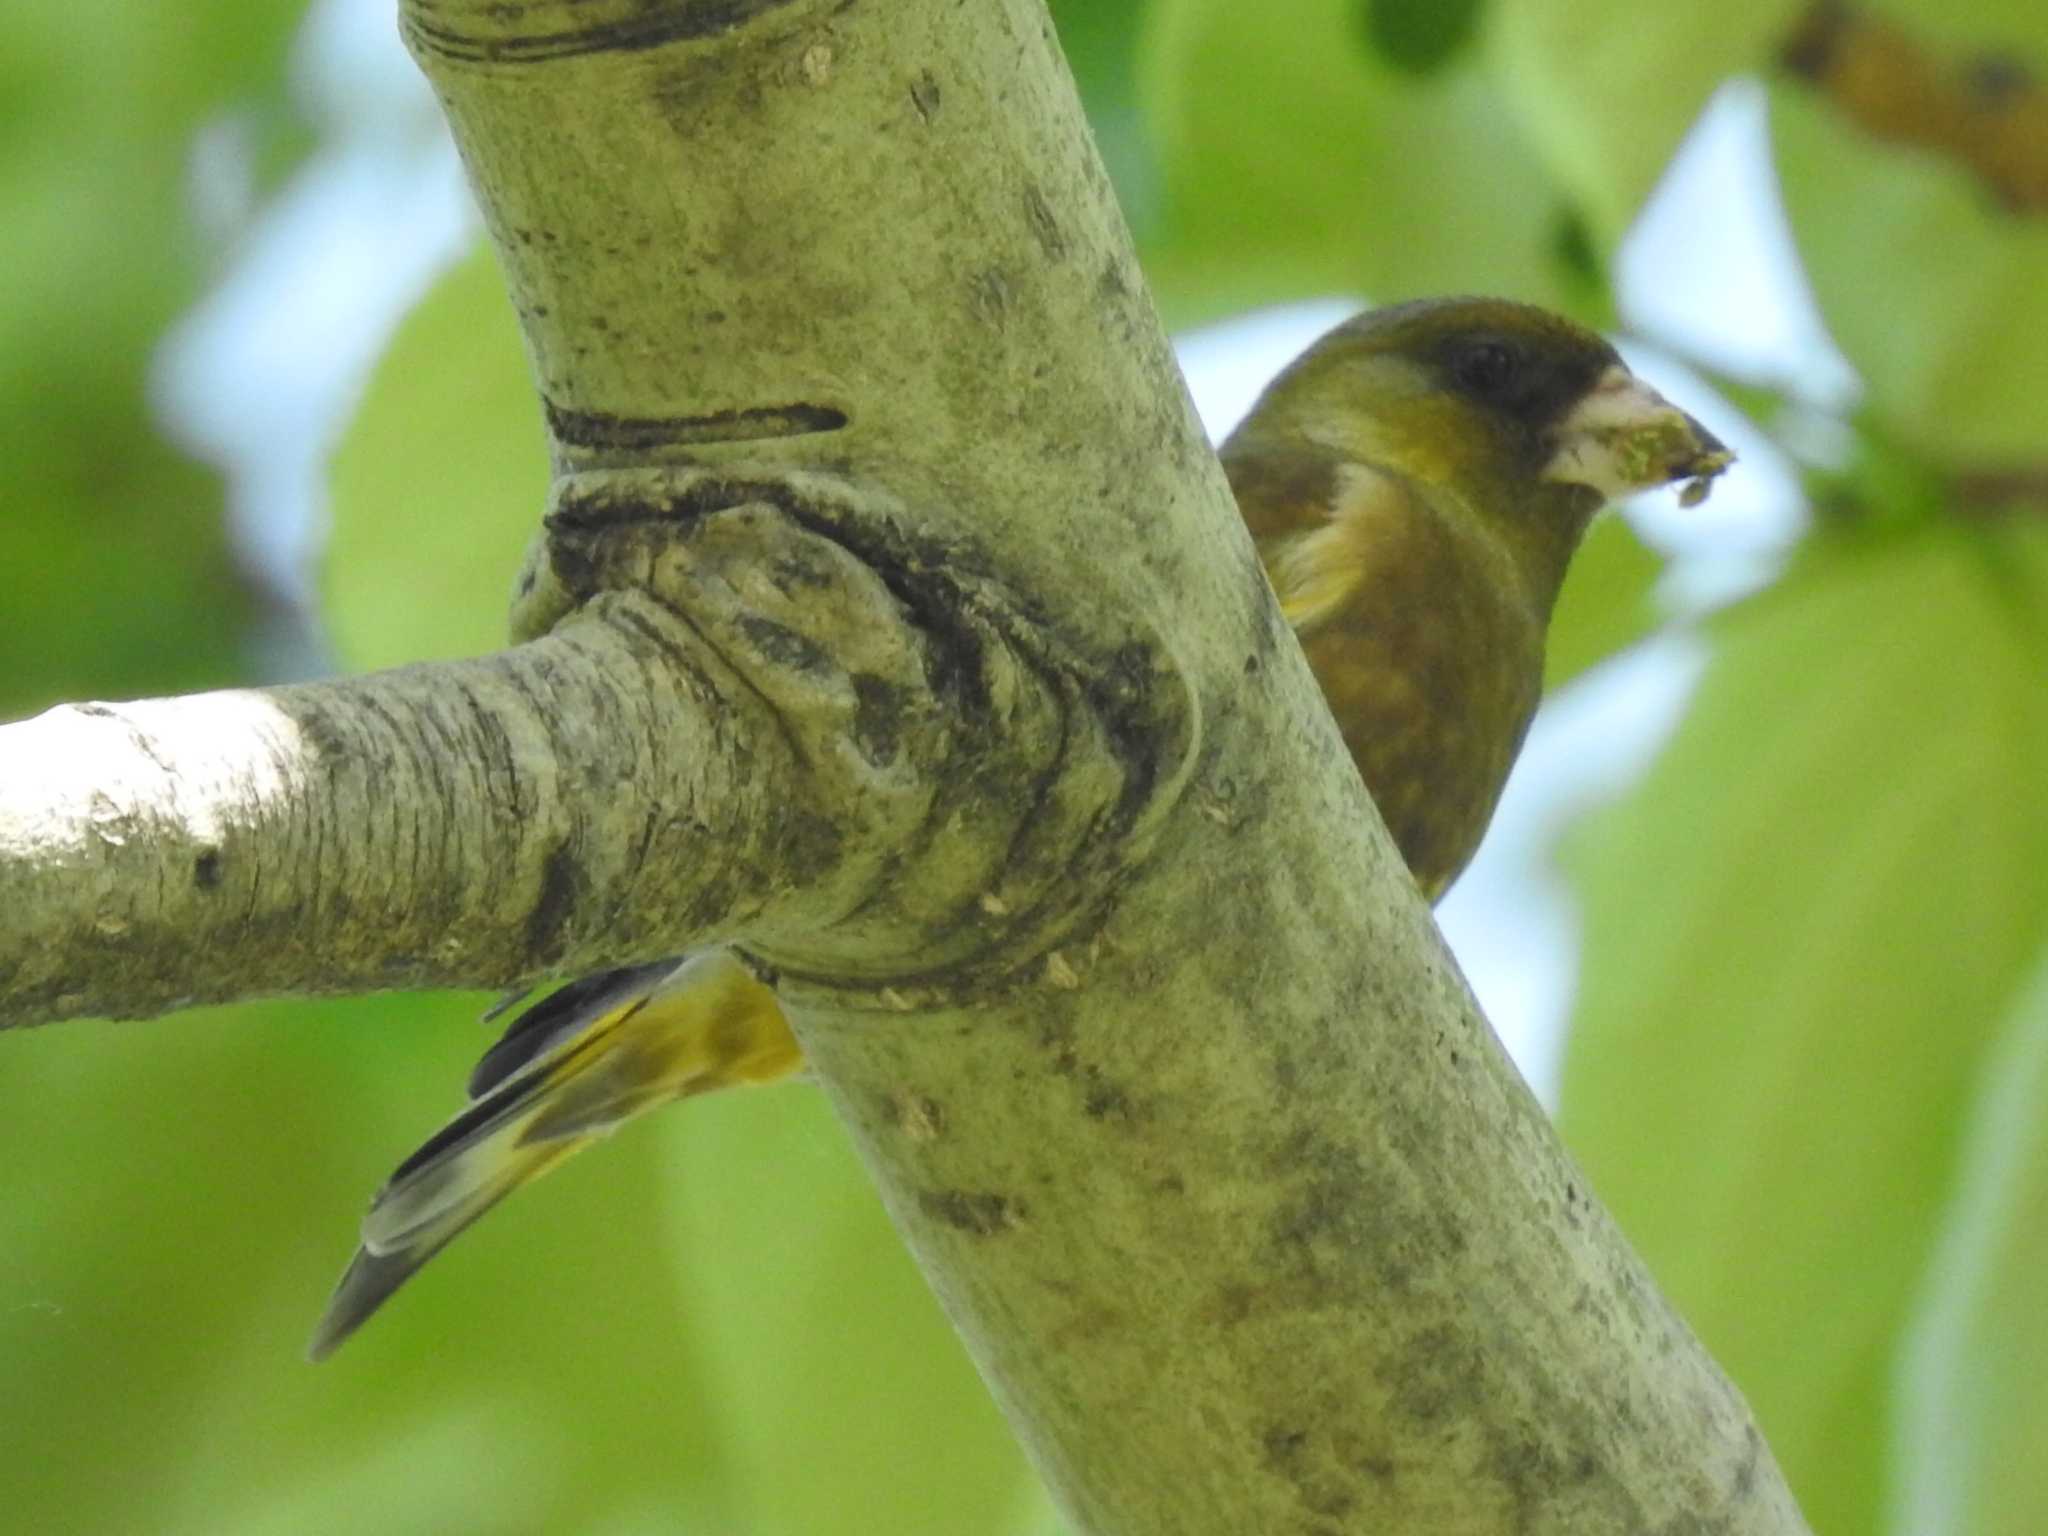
(614,1052)
(1316,569)
(563,1013)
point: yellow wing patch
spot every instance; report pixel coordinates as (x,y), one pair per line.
(1316,571)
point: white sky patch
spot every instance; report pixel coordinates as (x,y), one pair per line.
(259,378)
(1710,268)
(1228,363)
(1740,536)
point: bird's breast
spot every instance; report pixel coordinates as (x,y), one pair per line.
(1432,666)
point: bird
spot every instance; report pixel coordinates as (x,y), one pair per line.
(1415,483)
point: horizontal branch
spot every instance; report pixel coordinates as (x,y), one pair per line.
(757,705)
(583,796)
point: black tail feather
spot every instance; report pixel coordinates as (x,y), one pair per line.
(557,1016)
(365,1285)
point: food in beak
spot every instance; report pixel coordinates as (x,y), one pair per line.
(1624,437)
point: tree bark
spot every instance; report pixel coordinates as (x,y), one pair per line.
(892,621)
(432,826)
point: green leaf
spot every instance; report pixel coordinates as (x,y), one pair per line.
(705,1323)
(1938,296)
(1368,181)
(439,483)
(846,1402)
(194,1192)
(1607,88)
(1419,37)
(1801,932)
(1973,1394)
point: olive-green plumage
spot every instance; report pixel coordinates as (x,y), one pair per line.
(1416,482)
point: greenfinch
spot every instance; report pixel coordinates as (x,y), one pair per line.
(1416,483)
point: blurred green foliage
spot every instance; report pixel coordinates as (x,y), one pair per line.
(1605,98)
(1770,1073)
(1420,36)
(1961,368)
(1974,1373)
(118,574)
(1808,1060)
(421,569)
(1370,179)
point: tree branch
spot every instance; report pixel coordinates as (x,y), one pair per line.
(452,825)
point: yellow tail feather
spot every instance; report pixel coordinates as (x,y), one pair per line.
(703,1025)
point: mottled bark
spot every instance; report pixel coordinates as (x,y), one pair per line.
(891,621)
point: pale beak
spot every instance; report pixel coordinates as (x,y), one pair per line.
(1624,437)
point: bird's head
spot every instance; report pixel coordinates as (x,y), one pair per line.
(1513,407)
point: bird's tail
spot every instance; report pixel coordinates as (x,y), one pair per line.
(570,1069)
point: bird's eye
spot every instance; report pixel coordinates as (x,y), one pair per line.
(1485,367)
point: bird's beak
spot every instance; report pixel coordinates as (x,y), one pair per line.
(1624,437)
